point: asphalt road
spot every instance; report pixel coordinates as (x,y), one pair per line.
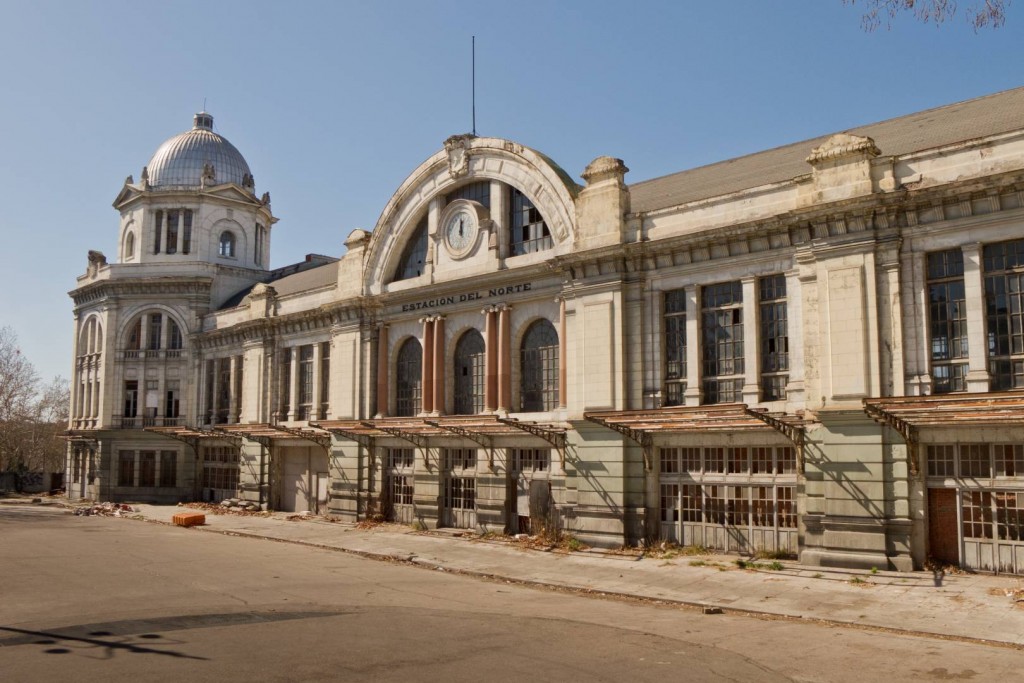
(106,599)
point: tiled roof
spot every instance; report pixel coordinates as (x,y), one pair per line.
(999,113)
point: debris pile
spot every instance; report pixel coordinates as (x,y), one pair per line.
(239,504)
(231,506)
(104,510)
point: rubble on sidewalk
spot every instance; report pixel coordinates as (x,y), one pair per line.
(229,506)
(104,510)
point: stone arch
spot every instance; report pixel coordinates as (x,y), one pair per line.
(549,187)
(134,313)
(90,336)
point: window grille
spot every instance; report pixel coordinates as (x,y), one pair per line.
(409,378)
(722,334)
(1004,309)
(414,257)
(528,232)
(479,191)
(469,374)
(305,398)
(774,337)
(539,368)
(675,347)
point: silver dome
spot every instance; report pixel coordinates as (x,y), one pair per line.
(180,161)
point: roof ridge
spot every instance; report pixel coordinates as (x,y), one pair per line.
(825,135)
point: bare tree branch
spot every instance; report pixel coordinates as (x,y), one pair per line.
(986,14)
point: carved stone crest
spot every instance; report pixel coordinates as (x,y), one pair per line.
(457,147)
(209,175)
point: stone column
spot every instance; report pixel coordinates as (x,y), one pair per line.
(293,384)
(563,361)
(491,363)
(382,371)
(751,343)
(439,365)
(428,364)
(974,297)
(504,359)
(234,398)
(693,393)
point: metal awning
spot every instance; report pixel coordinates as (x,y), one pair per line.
(186,435)
(480,429)
(908,414)
(264,433)
(643,425)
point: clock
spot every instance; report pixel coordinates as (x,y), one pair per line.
(460,230)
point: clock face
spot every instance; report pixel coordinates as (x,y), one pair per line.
(460,232)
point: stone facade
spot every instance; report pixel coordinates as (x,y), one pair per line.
(687,358)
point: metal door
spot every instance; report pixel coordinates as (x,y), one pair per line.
(943,539)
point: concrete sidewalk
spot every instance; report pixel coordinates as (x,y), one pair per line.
(977,607)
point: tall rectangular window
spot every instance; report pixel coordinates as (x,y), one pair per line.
(286,384)
(774,337)
(147,468)
(675,347)
(131,398)
(126,468)
(1004,312)
(156,323)
(947,321)
(223,390)
(186,231)
(168,469)
(258,247)
(172,231)
(722,334)
(172,404)
(305,404)
(211,373)
(158,229)
(325,380)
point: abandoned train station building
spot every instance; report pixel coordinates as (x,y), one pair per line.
(816,349)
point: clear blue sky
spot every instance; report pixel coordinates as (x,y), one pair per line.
(334,103)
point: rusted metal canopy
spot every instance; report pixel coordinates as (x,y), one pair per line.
(998,409)
(643,425)
(480,429)
(722,417)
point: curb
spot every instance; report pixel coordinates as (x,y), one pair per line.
(412,560)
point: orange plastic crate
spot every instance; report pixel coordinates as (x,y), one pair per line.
(189,519)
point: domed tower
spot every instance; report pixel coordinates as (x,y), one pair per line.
(192,233)
(195,201)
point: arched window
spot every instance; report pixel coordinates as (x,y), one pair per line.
(135,335)
(227,244)
(415,255)
(479,191)
(527,230)
(409,376)
(129,246)
(469,374)
(539,366)
(174,339)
